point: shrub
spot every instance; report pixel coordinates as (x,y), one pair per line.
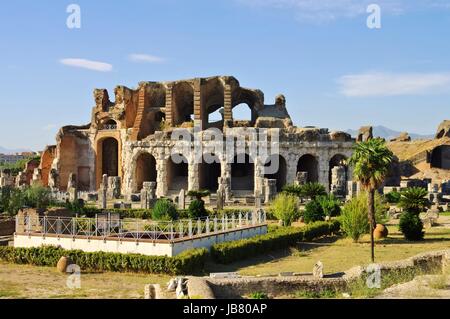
(164,210)
(414,200)
(37,196)
(313,212)
(11,200)
(188,262)
(293,189)
(312,190)
(354,219)
(277,238)
(258,295)
(199,194)
(197,209)
(393,197)
(411,226)
(330,204)
(284,207)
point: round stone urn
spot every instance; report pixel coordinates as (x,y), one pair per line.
(63,263)
(380,232)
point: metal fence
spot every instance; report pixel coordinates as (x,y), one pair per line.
(136,229)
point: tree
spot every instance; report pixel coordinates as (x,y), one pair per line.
(413,200)
(284,207)
(371,161)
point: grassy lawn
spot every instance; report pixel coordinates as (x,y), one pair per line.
(338,254)
(24,281)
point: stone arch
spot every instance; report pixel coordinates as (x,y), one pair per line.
(177,174)
(440,157)
(310,164)
(213,101)
(182,103)
(109,156)
(281,171)
(336,160)
(144,170)
(242,173)
(209,173)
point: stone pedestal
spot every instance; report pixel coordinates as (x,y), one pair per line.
(338,181)
(114,187)
(301,178)
(102,193)
(148,196)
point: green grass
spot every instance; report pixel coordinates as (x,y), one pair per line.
(324,294)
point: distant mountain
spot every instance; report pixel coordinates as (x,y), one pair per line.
(387,133)
(12,151)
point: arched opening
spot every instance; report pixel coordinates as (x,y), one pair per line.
(145,170)
(308,163)
(440,157)
(215,118)
(110,157)
(209,173)
(275,168)
(336,160)
(177,173)
(182,104)
(242,173)
(242,115)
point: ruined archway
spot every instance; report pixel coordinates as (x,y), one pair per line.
(440,157)
(242,173)
(309,163)
(337,160)
(182,103)
(275,168)
(145,170)
(209,172)
(110,157)
(177,173)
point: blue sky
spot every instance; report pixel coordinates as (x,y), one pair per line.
(334,71)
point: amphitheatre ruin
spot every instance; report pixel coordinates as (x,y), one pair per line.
(129,143)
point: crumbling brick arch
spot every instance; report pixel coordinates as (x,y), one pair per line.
(309,163)
(108,157)
(253,99)
(276,162)
(213,101)
(143,170)
(151,111)
(182,108)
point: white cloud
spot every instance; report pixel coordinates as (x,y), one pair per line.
(391,84)
(87,64)
(145,58)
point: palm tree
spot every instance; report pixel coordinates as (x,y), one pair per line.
(371,161)
(312,190)
(414,200)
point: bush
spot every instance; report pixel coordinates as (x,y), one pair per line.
(278,238)
(284,207)
(312,190)
(11,200)
(164,210)
(293,189)
(199,194)
(197,209)
(354,219)
(313,212)
(37,196)
(393,197)
(411,226)
(414,200)
(330,204)
(188,262)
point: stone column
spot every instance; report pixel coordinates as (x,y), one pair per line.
(324,167)
(259,177)
(161,177)
(193,176)
(291,169)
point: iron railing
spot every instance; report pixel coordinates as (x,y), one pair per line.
(136,229)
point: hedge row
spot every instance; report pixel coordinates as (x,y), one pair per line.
(276,238)
(188,262)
